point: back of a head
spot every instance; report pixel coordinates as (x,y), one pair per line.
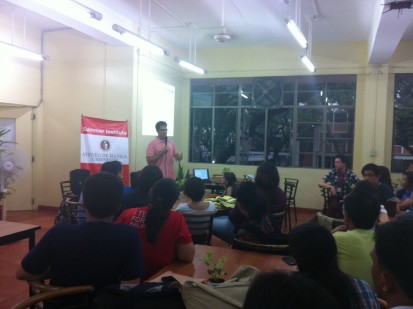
(267,177)
(252,200)
(148,176)
(194,188)
(362,208)
(287,290)
(231,178)
(394,251)
(102,194)
(385,176)
(163,195)
(314,248)
(134,179)
(113,167)
(363,185)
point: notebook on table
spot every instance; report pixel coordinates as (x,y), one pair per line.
(202,173)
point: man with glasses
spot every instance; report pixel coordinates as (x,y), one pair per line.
(371,173)
(162,152)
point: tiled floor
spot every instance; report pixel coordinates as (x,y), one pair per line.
(11,290)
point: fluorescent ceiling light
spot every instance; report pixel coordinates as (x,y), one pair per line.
(73,9)
(296,32)
(190,66)
(310,66)
(93,14)
(138,41)
(9,50)
(244,95)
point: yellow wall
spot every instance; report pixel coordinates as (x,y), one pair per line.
(85,76)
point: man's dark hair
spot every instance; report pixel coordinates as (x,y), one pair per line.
(113,167)
(194,188)
(394,250)
(371,167)
(362,208)
(160,124)
(342,158)
(148,176)
(102,194)
(287,290)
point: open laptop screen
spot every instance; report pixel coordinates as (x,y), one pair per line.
(201,173)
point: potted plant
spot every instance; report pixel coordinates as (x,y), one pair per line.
(180,178)
(215,269)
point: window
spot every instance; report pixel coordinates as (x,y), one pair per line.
(402,153)
(292,121)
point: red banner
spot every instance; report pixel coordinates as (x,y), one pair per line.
(102,141)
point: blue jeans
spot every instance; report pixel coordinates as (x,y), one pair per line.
(223,229)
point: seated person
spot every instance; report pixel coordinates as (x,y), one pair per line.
(405,193)
(287,290)
(392,268)
(97,252)
(315,251)
(140,196)
(355,239)
(385,176)
(164,233)
(382,192)
(230,184)
(194,191)
(339,182)
(258,227)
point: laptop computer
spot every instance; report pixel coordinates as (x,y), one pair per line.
(202,173)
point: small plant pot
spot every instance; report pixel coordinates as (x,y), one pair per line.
(215,281)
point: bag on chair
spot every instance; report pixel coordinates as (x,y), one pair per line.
(227,295)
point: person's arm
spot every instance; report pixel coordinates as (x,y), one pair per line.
(322,184)
(185,252)
(21,274)
(178,156)
(135,281)
(403,205)
(154,158)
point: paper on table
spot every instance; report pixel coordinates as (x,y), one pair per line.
(180,278)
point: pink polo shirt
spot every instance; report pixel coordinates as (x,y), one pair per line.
(166,162)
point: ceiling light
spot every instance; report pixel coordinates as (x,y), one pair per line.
(93,14)
(9,50)
(244,95)
(310,66)
(190,66)
(73,9)
(296,32)
(138,41)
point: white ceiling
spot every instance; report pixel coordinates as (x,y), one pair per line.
(249,22)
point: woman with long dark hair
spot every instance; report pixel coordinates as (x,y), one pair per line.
(315,251)
(229,182)
(164,233)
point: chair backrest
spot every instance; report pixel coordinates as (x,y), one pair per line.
(77,178)
(51,294)
(200,226)
(257,247)
(65,188)
(290,188)
(277,220)
(325,193)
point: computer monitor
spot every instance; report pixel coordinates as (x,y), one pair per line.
(201,173)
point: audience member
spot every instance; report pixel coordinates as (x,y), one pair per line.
(315,251)
(194,191)
(164,233)
(97,252)
(405,193)
(134,179)
(410,167)
(140,196)
(355,239)
(385,176)
(392,268)
(230,184)
(339,182)
(267,180)
(371,173)
(287,290)
(258,226)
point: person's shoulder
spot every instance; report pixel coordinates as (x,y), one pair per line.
(182,207)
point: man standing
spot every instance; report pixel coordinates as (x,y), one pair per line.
(338,181)
(392,269)
(162,152)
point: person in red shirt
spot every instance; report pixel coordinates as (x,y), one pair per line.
(164,233)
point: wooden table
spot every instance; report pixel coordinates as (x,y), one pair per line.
(12,231)
(236,258)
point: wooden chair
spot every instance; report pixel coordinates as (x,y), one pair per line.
(257,247)
(290,190)
(200,226)
(44,292)
(325,193)
(277,220)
